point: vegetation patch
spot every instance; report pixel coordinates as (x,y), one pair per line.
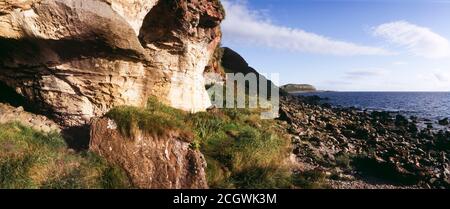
(242,151)
(156,119)
(245,151)
(31,159)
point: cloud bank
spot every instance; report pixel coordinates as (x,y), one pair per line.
(419,41)
(246,26)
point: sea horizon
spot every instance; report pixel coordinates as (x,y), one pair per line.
(427,105)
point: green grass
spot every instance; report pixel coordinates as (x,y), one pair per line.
(242,151)
(155,119)
(31,159)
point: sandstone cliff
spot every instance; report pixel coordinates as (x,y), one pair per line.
(77,59)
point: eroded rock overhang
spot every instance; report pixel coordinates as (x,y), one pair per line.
(77,59)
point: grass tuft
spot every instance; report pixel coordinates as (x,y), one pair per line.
(156,119)
(239,153)
(32,159)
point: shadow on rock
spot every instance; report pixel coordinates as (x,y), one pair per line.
(77,137)
(10,96)
(383,172)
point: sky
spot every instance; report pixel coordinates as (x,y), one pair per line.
(345,45)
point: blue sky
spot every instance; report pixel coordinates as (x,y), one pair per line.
(347,45)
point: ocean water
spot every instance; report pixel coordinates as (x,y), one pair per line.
(427,105)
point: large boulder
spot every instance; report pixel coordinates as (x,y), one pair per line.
(77,59)
(150,161)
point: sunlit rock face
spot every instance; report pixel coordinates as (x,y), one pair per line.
(77,59)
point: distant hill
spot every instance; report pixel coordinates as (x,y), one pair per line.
(293,88)
(232,62)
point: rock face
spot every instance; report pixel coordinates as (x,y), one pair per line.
(150,161)
(77,59)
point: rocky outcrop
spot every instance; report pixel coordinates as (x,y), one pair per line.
(10,114)
(297,88)
(77,59)
(150,161)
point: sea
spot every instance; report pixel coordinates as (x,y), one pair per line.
(427,105)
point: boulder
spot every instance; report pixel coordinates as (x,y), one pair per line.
(400,120)
(444,122)
(150,161)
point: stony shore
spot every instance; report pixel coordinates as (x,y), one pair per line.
(360,149)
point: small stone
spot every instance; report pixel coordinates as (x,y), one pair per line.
(296,139)
(111,124)
(432,180)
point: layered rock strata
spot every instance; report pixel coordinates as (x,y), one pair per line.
(77,59)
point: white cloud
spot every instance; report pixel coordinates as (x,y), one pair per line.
(246,26)
(400,63)
(418,40)
(364,73)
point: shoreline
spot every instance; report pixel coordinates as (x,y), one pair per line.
(351,145)
(437,123)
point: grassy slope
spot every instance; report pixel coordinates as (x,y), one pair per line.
(242,151)
(30,159)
